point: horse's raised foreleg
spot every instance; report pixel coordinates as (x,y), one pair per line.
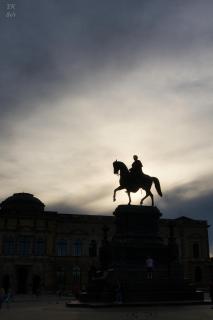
(117,189)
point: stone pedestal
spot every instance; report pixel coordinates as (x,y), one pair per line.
(136,238)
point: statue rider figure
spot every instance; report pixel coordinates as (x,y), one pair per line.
(136,169)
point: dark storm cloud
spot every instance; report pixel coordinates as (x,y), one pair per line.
(63,207)
(198,206)
(91,196)
(196,87)
(54,44)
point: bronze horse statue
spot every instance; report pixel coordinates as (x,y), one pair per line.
(128,182)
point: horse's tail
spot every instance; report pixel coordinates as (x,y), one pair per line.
(157,186)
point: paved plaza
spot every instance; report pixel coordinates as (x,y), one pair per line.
(44,309)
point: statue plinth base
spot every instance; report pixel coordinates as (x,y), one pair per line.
(136,238)
(136,220)
(137,235)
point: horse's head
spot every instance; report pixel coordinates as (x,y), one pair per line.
(120,166)
(116,167)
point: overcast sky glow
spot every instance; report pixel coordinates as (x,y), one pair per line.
(84,83)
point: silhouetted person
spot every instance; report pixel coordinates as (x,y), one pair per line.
(8,298)
(118,292)
(149,267)
(136,169)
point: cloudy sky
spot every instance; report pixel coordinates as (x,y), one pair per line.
(86,82)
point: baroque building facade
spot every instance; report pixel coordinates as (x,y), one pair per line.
(49,251)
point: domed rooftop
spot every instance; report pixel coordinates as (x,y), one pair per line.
(22,202)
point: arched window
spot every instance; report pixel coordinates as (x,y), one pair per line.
(198,274)
(61,248)
(196,250)
(93,249)
(77,252)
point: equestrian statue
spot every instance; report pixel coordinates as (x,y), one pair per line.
(134,179)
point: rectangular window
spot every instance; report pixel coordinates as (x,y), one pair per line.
(93,249)
(61,248)
(77,252)
(39,247)
(196,250)
(25,246)
(76,273)
(9,247)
